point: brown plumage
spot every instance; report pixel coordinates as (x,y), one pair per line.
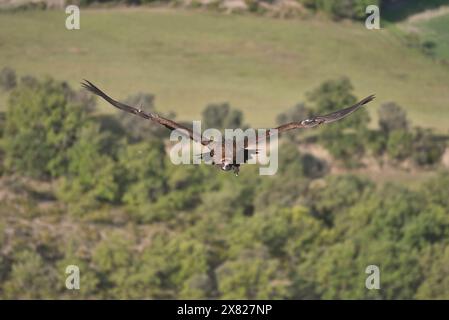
(222,162)
(169,124)
(317,120)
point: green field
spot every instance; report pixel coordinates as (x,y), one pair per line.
(437,30)
(189,59)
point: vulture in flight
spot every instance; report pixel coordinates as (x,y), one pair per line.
(220,160)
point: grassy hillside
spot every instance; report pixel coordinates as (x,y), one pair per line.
(188,59)
(437,30)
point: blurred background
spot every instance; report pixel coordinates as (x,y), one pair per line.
(83,184)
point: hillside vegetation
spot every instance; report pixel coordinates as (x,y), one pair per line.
(188,59)
(432,28)
(81,184)
(77,188)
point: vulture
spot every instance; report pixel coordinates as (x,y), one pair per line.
(221,159)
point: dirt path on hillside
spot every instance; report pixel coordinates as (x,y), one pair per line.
(382,171)
(429,14)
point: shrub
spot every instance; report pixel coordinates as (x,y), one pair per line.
(352,9)
(399,145)
(377,142)
(392,117)
(8,79)
(427,149)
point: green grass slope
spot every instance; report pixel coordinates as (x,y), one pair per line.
(437,30)
(189,58)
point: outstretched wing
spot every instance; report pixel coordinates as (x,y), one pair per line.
(317,120)
(169,124)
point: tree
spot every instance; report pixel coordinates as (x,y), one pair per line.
(377,142)
(8,79)
(145,175)
(42,124)
(429,227)
(253,275)
(92,176)
(336,195)
(185,274)
(392,117)
(352,9)
(400,144)
(435,190)
(137,129)
(329,97)
(434,262)
(30,278)
(427,149)
(222,116)
(383,213)
(114,259)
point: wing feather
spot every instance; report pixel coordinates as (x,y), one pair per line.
(169,124)
(317,120)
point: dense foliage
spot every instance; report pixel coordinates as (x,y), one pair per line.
(87,190)
(341,9)
(353,9)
